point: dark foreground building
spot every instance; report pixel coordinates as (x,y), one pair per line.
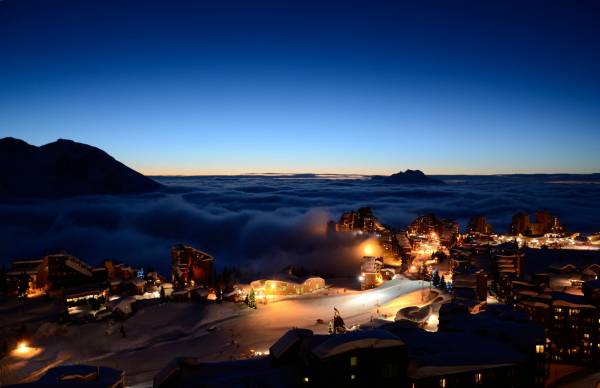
(493,348)
(301,358)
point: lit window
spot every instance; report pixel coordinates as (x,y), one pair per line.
(443,383)
(539,348)
(306,379)
(353,361)
(478,378)
(586,335)
(352,377)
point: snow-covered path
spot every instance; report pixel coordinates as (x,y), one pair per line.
(157,334)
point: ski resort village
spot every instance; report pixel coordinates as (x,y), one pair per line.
(423,308)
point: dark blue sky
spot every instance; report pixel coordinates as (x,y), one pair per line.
(367,87)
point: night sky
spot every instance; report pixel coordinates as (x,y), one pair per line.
(351,87)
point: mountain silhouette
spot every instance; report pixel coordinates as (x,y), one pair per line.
(410,177)
(64,168)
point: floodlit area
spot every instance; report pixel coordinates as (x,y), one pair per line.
(158,333)
(24,350)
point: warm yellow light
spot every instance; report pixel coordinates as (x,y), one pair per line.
(23,350)
(22,347)
(368,250)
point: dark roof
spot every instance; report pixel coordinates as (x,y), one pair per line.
(189,372)
(539,260)
(488,338)
(288,341)
(592,284)
(574,300)
(361,339)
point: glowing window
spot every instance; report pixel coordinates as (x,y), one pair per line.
(478,378)
(353,361)
(539,348)
(443,383)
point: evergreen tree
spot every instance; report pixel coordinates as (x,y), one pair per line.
(251,299)
(436,278)
(443,283)
(162,293)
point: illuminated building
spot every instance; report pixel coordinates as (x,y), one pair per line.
(404,243)
(370,269)
(546,223)
(429,226)
(191,267)
(289,286)
(424,225)
(572,322)
(479,225)
(389,243)
(81,301)
(505,269)
(26,277)
(362,220)
(53,272)
(556,288)
(470,284)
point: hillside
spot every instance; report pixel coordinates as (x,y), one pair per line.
(64,168)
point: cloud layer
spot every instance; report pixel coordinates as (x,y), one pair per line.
(265,223)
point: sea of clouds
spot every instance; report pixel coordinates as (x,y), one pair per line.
(267,222)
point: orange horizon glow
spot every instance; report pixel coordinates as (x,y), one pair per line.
(233,171)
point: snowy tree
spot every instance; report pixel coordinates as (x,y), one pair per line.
(443,283)
(251,299)
(436,279)
(330,327)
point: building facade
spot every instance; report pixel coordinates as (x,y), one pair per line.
(191,267)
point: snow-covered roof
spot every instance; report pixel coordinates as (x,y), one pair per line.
(568,300)
(371,339)
(287,341)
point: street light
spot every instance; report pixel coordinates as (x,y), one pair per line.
(22,348)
